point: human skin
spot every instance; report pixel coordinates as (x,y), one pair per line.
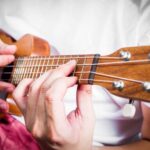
(6,57)
(41,102)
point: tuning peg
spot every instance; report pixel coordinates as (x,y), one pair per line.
(129,109)
(118,85)
(125,55)
(146,86)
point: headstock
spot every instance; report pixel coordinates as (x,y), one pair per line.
(126,73)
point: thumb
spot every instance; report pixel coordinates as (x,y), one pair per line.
(84,102)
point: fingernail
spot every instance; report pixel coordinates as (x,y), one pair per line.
(71,62)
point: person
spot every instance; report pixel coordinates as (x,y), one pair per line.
(75,27)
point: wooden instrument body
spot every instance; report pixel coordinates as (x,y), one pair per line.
(28,45)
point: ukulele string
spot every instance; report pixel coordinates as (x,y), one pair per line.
(95,73)
(78,64)
(94,64)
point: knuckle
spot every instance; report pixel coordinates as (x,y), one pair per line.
(55,138)
(38,134)
(43,88)
(50,95)
(60,71)
(88,92)
(33,88)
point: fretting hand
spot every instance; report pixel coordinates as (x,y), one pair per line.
(41,102)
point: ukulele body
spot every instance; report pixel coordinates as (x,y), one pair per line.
(28,45)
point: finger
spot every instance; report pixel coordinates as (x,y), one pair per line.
(7,49)
(53,100)
(3,106)
(8,87)
(20,93)
(67,68)
(33,97)
(84,101)
(61,71)
(6,59)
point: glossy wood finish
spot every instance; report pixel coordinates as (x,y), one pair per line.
(32,59)
(139,71)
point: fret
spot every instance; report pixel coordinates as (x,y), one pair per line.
(43,67)
(63,60)
(29,68)
(17,73)
(35,68)
(57,62)
(82,69)
(38,67)
(25,69)
(21,69)
(73,74)
(51,67)
(14,73)
(47,63)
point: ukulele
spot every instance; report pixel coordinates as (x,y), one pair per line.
(125,73)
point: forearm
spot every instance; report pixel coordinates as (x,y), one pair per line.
(143,144)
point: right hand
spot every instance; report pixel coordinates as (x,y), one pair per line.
(6,57)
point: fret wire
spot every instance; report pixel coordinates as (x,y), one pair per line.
(22,69)
(64,60)
(38,69)
(28,76)
(42,67)
(84,60)
(16,76)
(25,69)
(58,61)
(76,66)
(19,70)
(48,62)
(35,68)
(31,68)
(52,63)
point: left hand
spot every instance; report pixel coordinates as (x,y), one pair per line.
(41,102)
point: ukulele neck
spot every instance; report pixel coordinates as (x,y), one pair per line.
(33,67)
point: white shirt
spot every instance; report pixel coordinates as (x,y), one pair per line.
(87,26)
